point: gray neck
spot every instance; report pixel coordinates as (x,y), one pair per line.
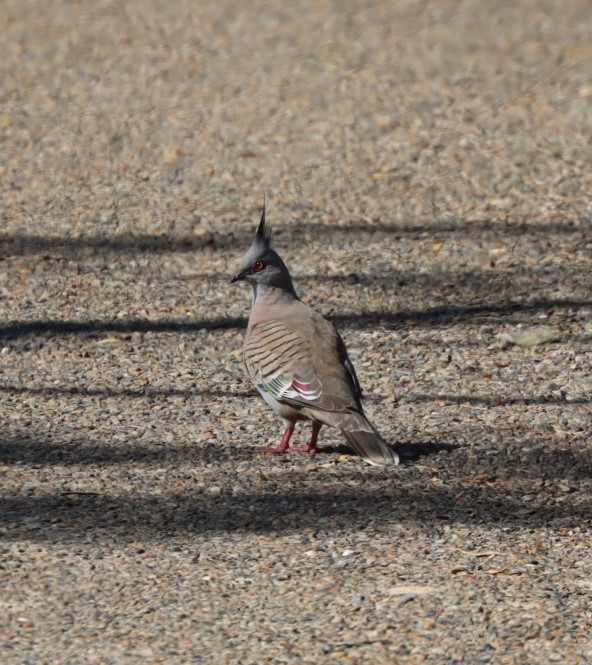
(274,293)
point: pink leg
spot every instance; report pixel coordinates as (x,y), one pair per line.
(284,443)
(312,446)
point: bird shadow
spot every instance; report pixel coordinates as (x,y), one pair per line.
(408,452)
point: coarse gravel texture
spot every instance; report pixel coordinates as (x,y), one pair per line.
(428,169)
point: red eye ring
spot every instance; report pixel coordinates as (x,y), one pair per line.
(258,266)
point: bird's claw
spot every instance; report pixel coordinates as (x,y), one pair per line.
(294,449)
(303,449)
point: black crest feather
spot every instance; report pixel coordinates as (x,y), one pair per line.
(263,234)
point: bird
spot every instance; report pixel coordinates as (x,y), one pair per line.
(298,360)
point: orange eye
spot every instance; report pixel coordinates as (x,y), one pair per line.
(258,266)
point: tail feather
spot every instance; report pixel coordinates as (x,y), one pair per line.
(371,447)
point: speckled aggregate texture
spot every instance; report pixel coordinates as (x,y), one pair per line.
(428,169)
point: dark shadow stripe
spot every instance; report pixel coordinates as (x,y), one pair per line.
(30,244)
(495,400)
(436,316)
(129,393)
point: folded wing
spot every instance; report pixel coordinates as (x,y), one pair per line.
(281,363)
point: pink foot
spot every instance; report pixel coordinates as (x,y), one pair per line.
(277,451)
(284,446)
(311,450)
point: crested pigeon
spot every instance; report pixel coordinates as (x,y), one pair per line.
(298,361)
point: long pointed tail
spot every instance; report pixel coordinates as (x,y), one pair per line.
(368,443)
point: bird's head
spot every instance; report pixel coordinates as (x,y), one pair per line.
(261,266)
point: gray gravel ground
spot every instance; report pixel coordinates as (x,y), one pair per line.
(428,169)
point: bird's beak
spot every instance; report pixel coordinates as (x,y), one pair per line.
(239,276)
